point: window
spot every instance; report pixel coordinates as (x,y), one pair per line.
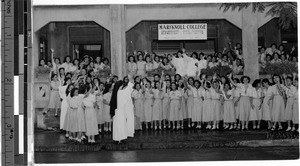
(163,45)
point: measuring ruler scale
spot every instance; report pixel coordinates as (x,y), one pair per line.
(15,20)
(7,85)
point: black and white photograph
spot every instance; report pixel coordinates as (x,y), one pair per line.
(163,82)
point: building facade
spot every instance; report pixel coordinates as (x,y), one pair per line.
(113,30)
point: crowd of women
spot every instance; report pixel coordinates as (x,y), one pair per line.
(164,101)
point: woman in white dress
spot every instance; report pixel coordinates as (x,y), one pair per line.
(278,105)
(148,102)
(191,64)
(290,91)
(99,101)
(190,101)
(123,120)
(236,97)
(216,113)
(106,100)
(165,64)
(138,98)
(166,101)
(54,101)
(64,103)
(197,92)
(156,62)
(149,64)
(67,65)
(244,101)
(81,128)
(175,96)
(98,65)
(256,104)
(207,106)
(182,114)
(67,116)
(266,110)
(91,116)
(202,64)
(141,66)
(74,104)
(157,106)
(295,118)
(229,113)
(179,64)
(131,66)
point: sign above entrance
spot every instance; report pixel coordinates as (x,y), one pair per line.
(182,31)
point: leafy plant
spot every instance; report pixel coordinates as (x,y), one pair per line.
(280,68)
(42,70)
(159,71)
(221,70)
(286,11)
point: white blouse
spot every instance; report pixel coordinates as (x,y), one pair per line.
(290,91)
(245,91)
(275,90)
(149,66)
(155,65)
(175,95)
(157,94)
(197,93)
(229,92)
(141,65)
(257,94)
(137,94)
(131,67)
(214,94)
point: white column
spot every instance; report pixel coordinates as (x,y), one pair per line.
(250,42)
(117,42)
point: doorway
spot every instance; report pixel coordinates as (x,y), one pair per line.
(93,50)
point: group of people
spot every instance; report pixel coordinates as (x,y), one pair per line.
(184,63)
(167,101)
(276,54)
(89,106)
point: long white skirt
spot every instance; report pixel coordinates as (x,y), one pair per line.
(256,113)
(216,110)
(183,109)
(91,121)
(236,108)
(244,108)
(63,113)
(190,104)
(139,109)
(148,109)
(278,109)
(288,109)
(266,110)
(157,109)
(81,120)
(119,125)
(129,115)
(174,109)
(54,101)
(296,111)
(207,111)
(197,110)
(166,108)
(229,113)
